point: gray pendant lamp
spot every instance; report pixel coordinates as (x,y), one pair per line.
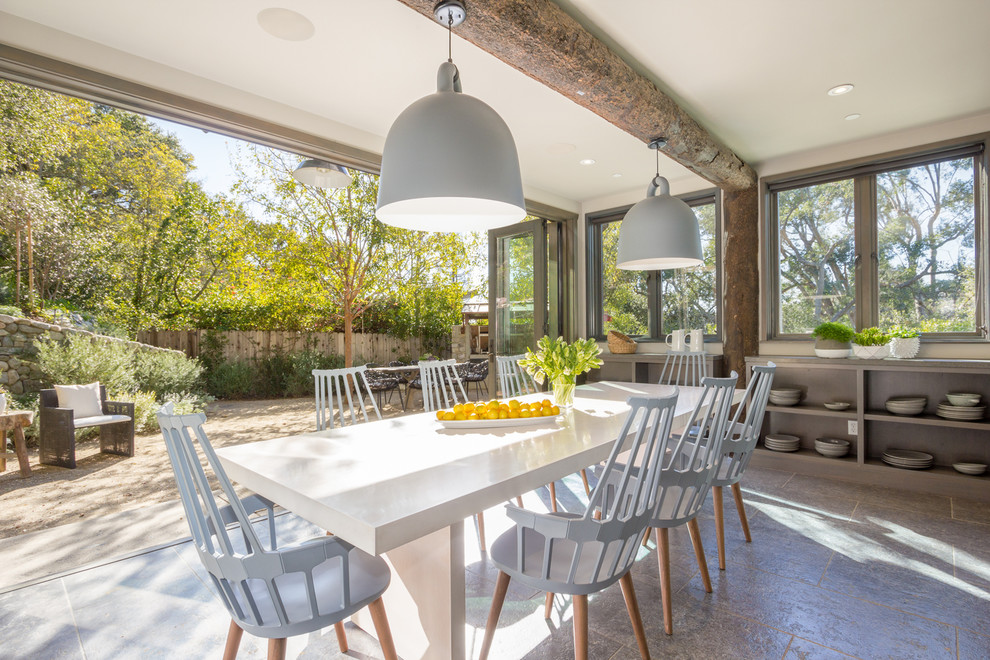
(659,232)
(320,173)
(449,162)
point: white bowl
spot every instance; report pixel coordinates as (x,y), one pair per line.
(970,468)
(833,352)
(837,405)
(963,398)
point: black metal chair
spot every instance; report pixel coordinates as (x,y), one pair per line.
(477,373)
(381,383)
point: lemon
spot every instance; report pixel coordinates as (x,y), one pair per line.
(448,417)
(439,414)
(503,414)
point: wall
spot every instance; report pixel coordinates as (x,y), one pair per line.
(19,373)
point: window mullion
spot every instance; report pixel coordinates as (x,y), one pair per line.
(654,303)
(867,276)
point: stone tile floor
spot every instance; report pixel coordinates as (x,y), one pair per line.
(835,570)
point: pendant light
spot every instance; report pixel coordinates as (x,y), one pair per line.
(661,231)
(320,173)
(449,162)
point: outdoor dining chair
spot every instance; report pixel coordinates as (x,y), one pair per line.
(271,592)
(337,387)
(477,373)
(383,385)
(581,554)
(441,384)
(513,380)
(737,450)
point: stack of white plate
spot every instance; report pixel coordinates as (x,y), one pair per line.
(970,468)
(968,413)
(832,447)
(907,459)
(785,397)
(782,442)
(906,405)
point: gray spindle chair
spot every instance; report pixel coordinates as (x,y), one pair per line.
(738,449)
(337,388)
(270,592)
(581,554)
(686,478)
(684,368)
(513,380)
(441,384)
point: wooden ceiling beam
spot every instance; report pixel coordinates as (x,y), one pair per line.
(538,38)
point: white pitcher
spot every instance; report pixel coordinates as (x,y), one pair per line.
(697,340)
(675,341)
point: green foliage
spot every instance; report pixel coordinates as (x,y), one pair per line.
(900,332)
(234,379)
(166,372)
(81,360)
(833,331)
(871,337)
(146,405)
(277,374)
(555,357)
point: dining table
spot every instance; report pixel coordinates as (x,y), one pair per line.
(402,487)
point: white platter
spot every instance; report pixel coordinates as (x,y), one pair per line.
(495,423)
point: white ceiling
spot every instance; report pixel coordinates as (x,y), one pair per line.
(755,73)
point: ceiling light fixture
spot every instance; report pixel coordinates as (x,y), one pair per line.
(839,90)
(660,231)
(449,162)
(854,115)
(322,174)
(587,161)
(286,24)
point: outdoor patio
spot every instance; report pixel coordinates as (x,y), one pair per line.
(834,570)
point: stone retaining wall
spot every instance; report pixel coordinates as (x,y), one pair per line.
(19,373)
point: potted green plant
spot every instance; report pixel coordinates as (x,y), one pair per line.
(871,344)
(561,363)
(904,343)
(833,340)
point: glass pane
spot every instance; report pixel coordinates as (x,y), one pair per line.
(515,321)
(927,247)
(688,294)
(624,292)
(816,255)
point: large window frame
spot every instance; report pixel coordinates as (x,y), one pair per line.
(595,295)
(864,175)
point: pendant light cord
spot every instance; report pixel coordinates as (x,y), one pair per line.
(450,36)
(658,161)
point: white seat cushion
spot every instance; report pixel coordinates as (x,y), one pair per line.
(97,420)
(84,400)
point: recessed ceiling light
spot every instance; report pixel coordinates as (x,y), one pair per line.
(854,115)
(587,161)
(286,24)
(616,175)
(839,90)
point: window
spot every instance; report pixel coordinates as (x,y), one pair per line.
(894,243)
(650,304)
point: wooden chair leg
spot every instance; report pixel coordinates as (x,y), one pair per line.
(580,627)
(632,606)
(341,636)
(719,525)
(480,517)
(519,501)
(663,556)
(553,496)
(737,493)
(501,587)
(276,649)
(548,605)
(378,617)
(234,634)
(584,478)
(699,553)
(646,537)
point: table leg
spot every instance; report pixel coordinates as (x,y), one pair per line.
(21,448)
(425,600)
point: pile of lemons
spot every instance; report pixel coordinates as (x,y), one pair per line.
(496,409)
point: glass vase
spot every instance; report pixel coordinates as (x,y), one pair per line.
(563,391)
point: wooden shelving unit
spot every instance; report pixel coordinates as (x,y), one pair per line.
(867,384)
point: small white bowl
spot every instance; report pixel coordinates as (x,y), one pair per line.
(974,469)
(837,405)
(965,399)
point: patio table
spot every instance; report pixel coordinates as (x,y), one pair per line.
(403,487)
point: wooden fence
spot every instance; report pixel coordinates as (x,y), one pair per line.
(380,349)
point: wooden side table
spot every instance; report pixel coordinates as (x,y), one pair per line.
(16,421)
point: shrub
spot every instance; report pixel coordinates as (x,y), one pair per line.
(230,379)
(277,374)
(166,372)
(146,405)
(834,331)
(82,360)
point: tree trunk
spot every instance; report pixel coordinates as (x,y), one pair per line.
(17,295)
(30,256)
(348,336)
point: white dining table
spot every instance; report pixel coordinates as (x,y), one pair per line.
(403,486)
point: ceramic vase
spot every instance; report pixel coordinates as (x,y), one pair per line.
(563,391)
(830,348)
(871,352)
(905,347)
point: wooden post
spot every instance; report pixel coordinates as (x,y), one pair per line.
(741,275)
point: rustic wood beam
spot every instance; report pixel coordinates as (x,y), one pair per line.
(741,275)
(538,38)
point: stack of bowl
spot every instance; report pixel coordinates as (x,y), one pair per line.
(832,447)
(785,397)
(906,405)
(961,406)
(781,442)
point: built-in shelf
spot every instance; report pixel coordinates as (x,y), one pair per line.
(867,384)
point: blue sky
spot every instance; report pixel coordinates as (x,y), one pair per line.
(210,153)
